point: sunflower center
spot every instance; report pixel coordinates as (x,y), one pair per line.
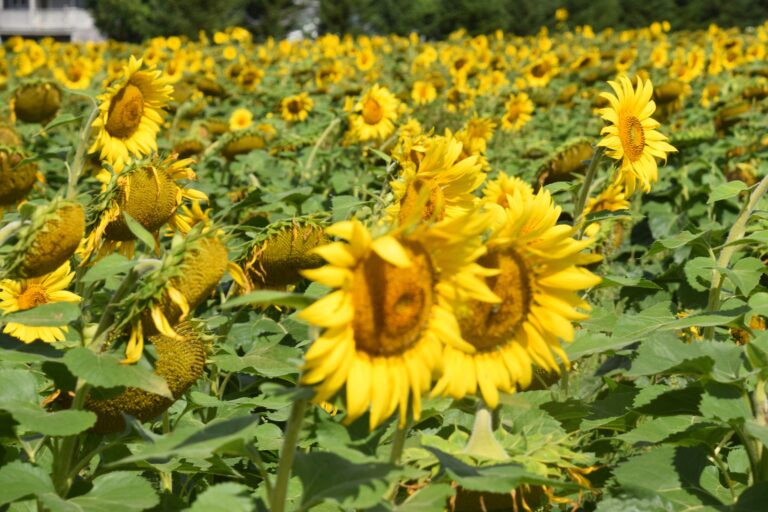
(33,295)
(632,138)
(294,106)
(418,190)
(372,111)
(487,326)
(392,304)
(125,112)
(539,70)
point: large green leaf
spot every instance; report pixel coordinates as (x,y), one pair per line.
(268,359)
(269,298)
(657,429)
(105,370)
(118,491)
(432,498)
(225,497)
(19,479)
(34,418)
(54,314)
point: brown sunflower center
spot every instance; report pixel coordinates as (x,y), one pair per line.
(125,112)
(294,106)
(32,295)
(632,138)
(487,326)
(372,111)
(392,304)
(539,70)
(419,191)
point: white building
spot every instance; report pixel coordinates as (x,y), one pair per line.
(63,19)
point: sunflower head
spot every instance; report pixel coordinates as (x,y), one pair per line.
(571,159)
(188,148)
(9,137)
(16,177)
(631,137)
(180,361)
(37,102)
(248,140)
(48,239)
(375,114)
(285,250)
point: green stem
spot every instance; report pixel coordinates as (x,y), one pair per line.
(737,232)
(331,126)
(292,431)
(398,443)
(578,212)
(759,399)
(754,462)
(714,457)
(77,163)
(62,477)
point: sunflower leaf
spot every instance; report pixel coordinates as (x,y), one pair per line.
(120,491)
(19,479)
(54,314)
(138,230)
(269,298)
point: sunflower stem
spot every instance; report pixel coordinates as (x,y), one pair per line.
(398,443)
(77,164)
(291,439)
(331,126)
(61,475)
(737,232)
(578,212)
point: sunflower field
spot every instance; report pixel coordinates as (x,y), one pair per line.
(385,273)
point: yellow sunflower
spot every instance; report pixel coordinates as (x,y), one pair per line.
(517,112)
(537,276)
(386,320)
(240,119)
(375,114)
(28,293)
(632,137)
(423,92)
(439,186)
(131,112)
(297,108)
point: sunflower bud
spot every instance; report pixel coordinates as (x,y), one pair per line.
(668,91)
(278,260)
(9,137)
(730,115)
(37,102)
(210,87)
(188,148)
(52,240)
(149,195)
(180,362)
(242,145)
(15,180)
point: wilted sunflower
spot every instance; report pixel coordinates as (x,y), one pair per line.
(537,275)
(147,191)
(130,115)
(375,114)
(28,293)
(388,317)
(297,108)
(632,137)
(438,185)
(517,112)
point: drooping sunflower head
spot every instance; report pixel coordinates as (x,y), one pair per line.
(571,159)
(48,238)
(386,320)
(285,249)
(16,177)
(440,186)
(537,271)
(148,191)
(37,102)
(131,112)
(375,114)
(245,141)
(631,137)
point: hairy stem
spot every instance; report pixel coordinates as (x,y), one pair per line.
(77,164)
(578,212)
(292,431)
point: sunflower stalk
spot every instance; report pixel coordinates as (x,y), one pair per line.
(586,186)
(77,164)
(737,232)
(331,126)
(61,475)
(292,431)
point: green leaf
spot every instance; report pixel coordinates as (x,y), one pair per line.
(724,402)
(17,385)
(745,274)
(226,497)
(674,242)
(753,498)
(269,298)
(726,191)
(19,479)
(327,476)
(105,370)
(12,351)
(119,491)
(138,231)
(588,343)
(107,267)
(607,215)
(656,429)
(269,359)
(431,498)
(759,303)
(497,478)
(672,473)
(634,282)
(659,356)
(34,418)
(62,119)
(698,272)
(343,206)
(54,314)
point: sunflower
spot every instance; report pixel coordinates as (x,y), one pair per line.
(439,186)
(375,114)
(385,322)
(537,275)
(28,293)
(423,92)
(517,112)
(297,108)
(130,115)
(632,136)
(241,118)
